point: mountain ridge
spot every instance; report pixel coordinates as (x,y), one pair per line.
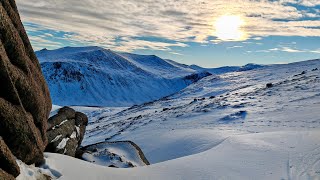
(93,76)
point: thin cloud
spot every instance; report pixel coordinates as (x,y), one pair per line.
(290,50)
(317,51)
(232,47)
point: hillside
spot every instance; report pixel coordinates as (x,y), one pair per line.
(229,126)
(93,76)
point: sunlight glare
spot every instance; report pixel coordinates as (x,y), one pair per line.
(228,28)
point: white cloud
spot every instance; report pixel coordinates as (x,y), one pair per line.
(257,38)
(39,42)
(232,47)
(176,53)
(290,50)
(317,51)
(102,22)
(310,3)
(48,34)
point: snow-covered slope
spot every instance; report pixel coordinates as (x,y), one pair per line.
(227,69)
(237,102)
(265,156)
(93,76)
(228,126)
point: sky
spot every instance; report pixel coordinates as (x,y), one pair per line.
(209,33)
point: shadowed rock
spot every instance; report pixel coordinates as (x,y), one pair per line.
(5,176)
(8,161)
(25,102)
(66,131)
(269,85)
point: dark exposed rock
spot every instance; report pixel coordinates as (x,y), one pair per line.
(82,122)
(130,164)
(25,102)
(113,166)
(66,131)
(7,160)
(71,147)
(44,177)
(81,119)
(56,120)
(197,76)
(79,153)
(269,85)
(68,112)
(5,176)
(142,156)
(302,73)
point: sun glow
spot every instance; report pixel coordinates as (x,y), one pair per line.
(228,28)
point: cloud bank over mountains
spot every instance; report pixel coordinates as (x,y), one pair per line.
(128,25)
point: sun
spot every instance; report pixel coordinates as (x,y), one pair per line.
(228,28)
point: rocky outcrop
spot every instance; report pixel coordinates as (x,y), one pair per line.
(196,77)
(66,131)
(8,161)
(5,175)
(269,85)
(24,96)
(118,154)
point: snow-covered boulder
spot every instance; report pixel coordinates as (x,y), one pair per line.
(119,154)
(65,131)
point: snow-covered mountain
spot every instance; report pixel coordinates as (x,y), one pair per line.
(93,76)
(228,126)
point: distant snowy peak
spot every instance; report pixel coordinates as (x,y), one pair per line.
(227,69)
(94,76)
(120,60)
(159,66)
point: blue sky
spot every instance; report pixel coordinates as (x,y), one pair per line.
(203,32)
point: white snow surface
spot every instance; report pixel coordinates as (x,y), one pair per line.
(272,155)
(227,126)
(30,172)
(63,143)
